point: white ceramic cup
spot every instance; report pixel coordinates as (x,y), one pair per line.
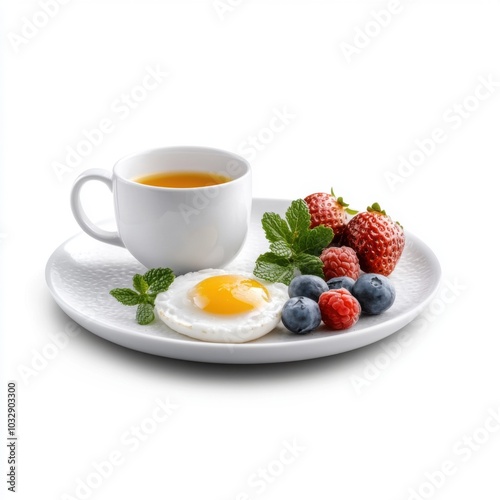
(185,229)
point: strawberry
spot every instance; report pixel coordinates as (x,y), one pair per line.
(377,240)
(328,210)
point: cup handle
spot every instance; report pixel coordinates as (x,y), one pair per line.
(93,174)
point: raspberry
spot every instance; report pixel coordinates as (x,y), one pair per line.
(340,261)
(339,309)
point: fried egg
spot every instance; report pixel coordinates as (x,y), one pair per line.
(216,305)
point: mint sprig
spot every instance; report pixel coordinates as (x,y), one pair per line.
(147,287)
(293,245)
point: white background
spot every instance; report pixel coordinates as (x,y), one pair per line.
(229,71)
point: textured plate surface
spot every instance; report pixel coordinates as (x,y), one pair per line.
(81,272)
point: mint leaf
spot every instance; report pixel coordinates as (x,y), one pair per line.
(145,314)
(147,298)
(315,240)
(298,217)
(276,228)
(159,279)
(126,296)
(309,264)
(281,249)
(140,284)
(271,267)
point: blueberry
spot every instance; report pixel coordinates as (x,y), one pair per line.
(374,292)
(301,315)
(308,286)
(341,282)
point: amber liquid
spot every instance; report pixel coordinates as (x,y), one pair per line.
(183,179)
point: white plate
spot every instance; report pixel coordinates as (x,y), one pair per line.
(81,272)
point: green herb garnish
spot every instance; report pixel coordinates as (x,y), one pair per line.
(147,287)
(293,245)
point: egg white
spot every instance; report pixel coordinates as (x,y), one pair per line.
(177,310)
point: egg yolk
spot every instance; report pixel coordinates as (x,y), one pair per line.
(229,294)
